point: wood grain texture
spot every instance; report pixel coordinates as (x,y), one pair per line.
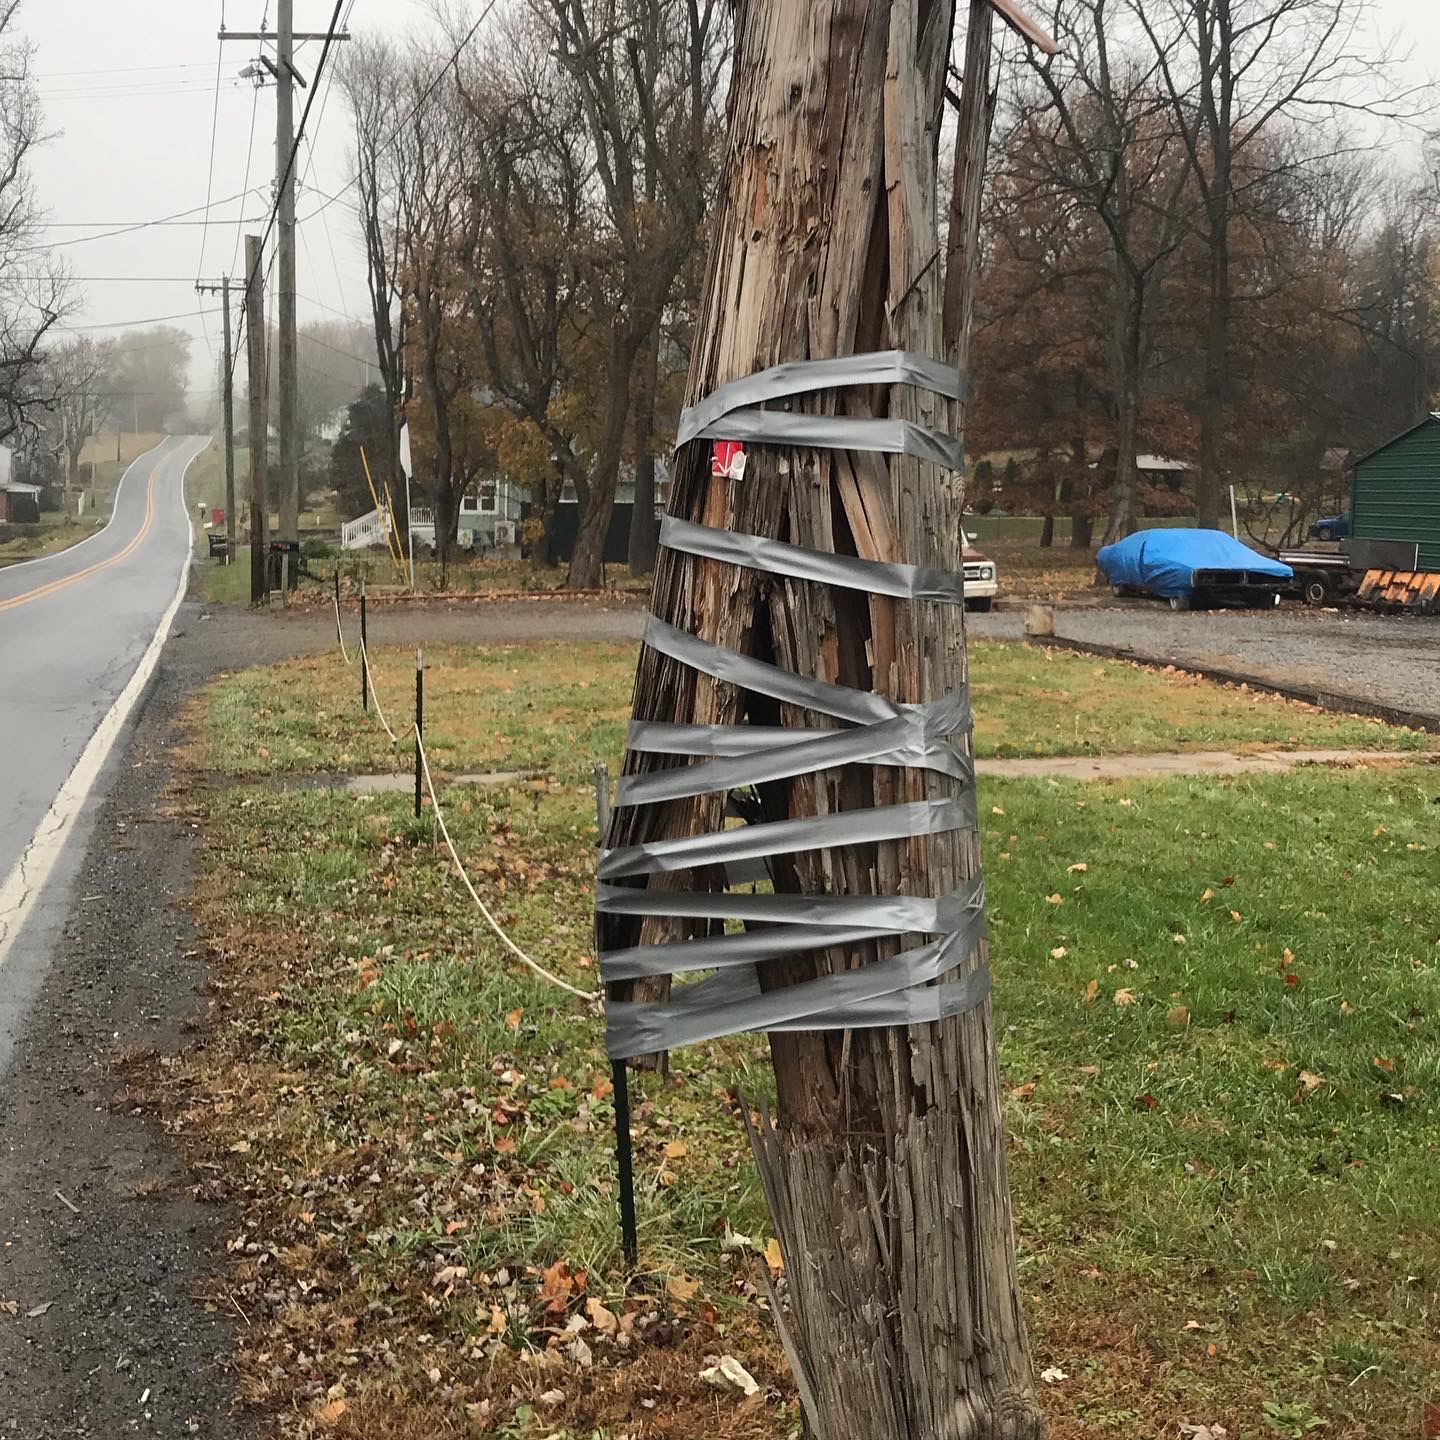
(885,1166)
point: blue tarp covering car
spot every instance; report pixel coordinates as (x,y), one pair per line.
(1192,567)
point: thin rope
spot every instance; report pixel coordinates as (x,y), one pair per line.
(375,694)
(339,633)
(474,895)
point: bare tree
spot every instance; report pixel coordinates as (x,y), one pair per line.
(150,375)
(429,180)
(371,81)
(36,293)
(1232,72)
(82,375)
(529,246)
(1096,134)
(647,74)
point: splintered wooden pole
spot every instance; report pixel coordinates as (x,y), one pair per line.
(885,1168)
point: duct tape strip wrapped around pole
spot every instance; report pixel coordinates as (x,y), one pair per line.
(871,729)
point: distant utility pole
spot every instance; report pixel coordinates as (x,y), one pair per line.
(285,183)
(286,76)
(227,383)
(255,352)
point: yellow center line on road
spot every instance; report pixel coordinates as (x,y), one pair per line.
(40,591)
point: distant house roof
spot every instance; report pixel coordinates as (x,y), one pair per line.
(16,487)
(1433,418)
(1157,464)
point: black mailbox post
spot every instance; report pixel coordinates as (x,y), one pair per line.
(280,552)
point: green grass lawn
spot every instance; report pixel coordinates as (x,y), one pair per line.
(56,532)
(559,708)
(1215,1008)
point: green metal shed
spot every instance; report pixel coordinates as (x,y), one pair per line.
(1395,491)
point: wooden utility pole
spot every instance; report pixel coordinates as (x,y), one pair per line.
(227,391)
(255,381)
(229,429)
(285,262)
(885,1167)
(286,76)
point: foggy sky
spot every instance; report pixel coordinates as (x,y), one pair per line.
(130,90)
(129,87)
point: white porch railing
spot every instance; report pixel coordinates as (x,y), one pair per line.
(363,531)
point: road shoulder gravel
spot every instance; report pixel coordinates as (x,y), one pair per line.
(104,1243)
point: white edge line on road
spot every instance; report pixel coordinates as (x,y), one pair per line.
(94,534)
(26,880)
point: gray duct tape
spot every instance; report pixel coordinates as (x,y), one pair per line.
(924,754)
(661,737)
(802,377)
(753,946)
(781,837)
(755,552)
(657,737)
(719,952)
(732,1001)
(747,673)
(839,432)
(895,913)
(914,736)
(874,730)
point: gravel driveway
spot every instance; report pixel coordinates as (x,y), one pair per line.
(1379,659)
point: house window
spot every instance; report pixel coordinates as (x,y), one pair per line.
(567,493)
(489,497)
(469,505)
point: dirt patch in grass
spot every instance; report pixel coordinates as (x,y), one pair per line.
(1056,572)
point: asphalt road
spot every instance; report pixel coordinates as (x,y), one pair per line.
(73,629)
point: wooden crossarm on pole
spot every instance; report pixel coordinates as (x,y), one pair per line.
(1024,26)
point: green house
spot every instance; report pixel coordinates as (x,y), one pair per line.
(1395,492)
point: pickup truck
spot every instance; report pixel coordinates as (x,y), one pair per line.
(982,578)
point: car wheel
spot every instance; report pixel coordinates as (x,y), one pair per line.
(1324,532)
(1181,602)
(1316,592)
(981,604)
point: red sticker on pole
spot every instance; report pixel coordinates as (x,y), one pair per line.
(727,460)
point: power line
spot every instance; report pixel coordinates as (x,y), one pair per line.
(129,224)
(137,324)
(114,279)
(329,240)
(179,218)
(334,25)
(115,86)
(310,167)
(249,156)
(214,131)
(210,178)
(130,69)
(312,339)
(410,114)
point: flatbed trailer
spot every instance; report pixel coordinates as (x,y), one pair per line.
(1381,575)
(1322,577)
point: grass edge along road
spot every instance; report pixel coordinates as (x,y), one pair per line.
(62,530)
(1215,1005)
